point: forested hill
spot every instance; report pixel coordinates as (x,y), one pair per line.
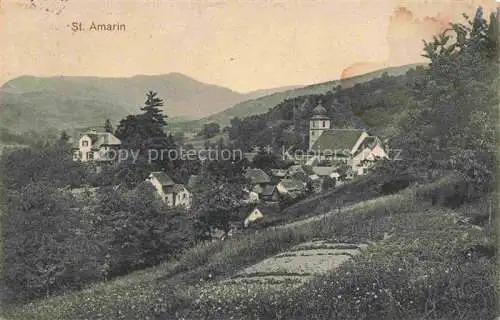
(263,104)
(378,105)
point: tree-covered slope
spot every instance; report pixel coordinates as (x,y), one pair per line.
(263,104)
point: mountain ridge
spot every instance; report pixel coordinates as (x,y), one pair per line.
(263,104)
(29,102)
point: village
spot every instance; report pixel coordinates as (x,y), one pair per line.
(304,167)
(334,156)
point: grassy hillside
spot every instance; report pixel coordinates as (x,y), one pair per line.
(34,103)
(414,268)
(263,104)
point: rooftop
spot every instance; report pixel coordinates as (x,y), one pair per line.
(100,138)
(292,184)
(257,176)
(162,178)
(337,140)
(319,110)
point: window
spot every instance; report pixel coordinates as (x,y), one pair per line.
(85,143)
(90,155)
(324,124)
(312,133)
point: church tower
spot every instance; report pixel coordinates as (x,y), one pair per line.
(318,123)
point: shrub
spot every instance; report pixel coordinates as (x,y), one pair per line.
(328,183)
(48,247)
(140,231)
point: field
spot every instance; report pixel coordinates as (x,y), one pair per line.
(414,264)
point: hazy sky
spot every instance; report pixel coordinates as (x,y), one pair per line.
(243,45)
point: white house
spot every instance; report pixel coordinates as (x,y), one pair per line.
(173,194)
(250,196)
(254,215)
(369,151)
(354,147)
(96,146)
(259,212)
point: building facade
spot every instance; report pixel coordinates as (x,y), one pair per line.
(94,146)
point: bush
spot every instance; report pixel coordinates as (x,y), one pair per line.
(51,164)
(140,231)
(328,183)
(54,243)
(48,247)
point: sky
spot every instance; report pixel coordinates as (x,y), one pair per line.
(242,45)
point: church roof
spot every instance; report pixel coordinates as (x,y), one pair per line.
(319,110)
(337,140)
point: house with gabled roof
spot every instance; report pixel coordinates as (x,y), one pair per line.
(270,194)
(173,194)
(291,187)
(258,178)
(352,146)
(258,213)
(278,173)
(96,146)
(370,150)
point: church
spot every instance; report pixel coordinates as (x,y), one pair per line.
(332,146)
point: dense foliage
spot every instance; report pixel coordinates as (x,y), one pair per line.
(218,196)
(139,231)
(58,234)
(453,123)
(49,162)
(209,130)
(56,240)
(47,246)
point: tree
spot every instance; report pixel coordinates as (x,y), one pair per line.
(328,183)
(64,136)
(48,162)
(456,107)
(217,205)
(145,130)
(48,245)
(210,130)
(140,230)
(145,133)
(218,197)
(152,111)
(107,126)
(267,160)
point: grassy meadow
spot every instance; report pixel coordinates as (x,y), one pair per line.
(417,266)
